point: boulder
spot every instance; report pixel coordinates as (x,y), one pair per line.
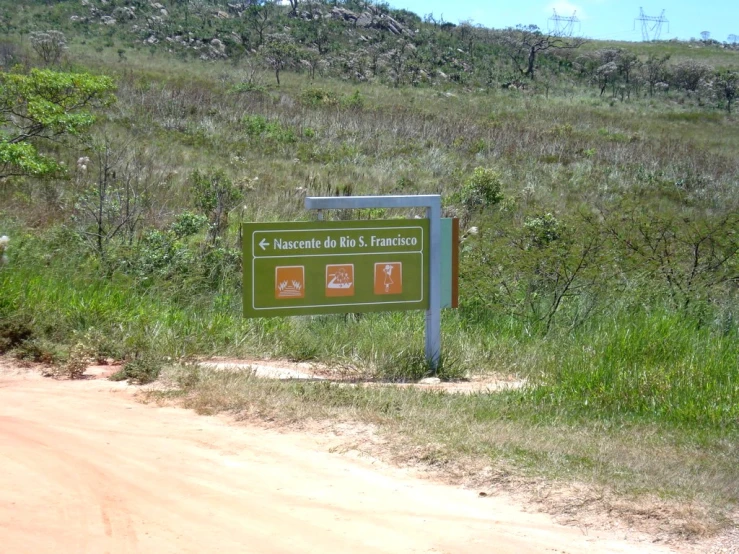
(341,13)
(364,20)
(125,13)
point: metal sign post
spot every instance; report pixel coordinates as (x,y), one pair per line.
(432,203)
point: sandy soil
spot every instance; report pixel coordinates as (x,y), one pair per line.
(85,468)
(283,369)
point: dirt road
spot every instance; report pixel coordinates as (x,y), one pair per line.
(85,468)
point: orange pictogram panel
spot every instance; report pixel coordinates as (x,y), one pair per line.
(389,278)
(289,282)
(340,280)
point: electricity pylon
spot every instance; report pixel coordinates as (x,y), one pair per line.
(563,26)
(653,31)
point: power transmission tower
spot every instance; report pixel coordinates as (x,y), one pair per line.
(653,31)
(563,26)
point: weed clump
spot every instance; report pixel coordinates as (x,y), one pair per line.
(80,356)
(139,371)
(13,334)
(412,365)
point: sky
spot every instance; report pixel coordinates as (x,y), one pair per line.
(599,19)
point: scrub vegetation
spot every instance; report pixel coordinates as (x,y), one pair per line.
(596,185)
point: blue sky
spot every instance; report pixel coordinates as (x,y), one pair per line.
(601,19)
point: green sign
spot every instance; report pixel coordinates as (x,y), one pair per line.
(324,267)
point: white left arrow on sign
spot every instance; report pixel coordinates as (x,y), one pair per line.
(264,244)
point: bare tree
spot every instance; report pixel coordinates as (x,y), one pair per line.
(49,46)
(259,18)
(524,44)
(399,59)
(116,181)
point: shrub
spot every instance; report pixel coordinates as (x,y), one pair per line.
(159,253)
(38,350)
(411,365)
(254,125)
(187,224)
(543,229)
(354,101)
(81,355)
(259,126)
(482,189)
(13,333)
(139,371)
(315,96)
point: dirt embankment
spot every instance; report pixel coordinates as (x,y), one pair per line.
(84,468)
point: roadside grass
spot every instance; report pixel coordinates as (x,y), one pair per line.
(655,367)
(508,440)
(65,301)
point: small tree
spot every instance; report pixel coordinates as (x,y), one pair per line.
(655,70)
(688,74)
(47,105)
(215,196)
(726,84)
(49,46)
(279,52)
(259,19)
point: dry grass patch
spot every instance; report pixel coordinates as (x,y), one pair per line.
(634,475)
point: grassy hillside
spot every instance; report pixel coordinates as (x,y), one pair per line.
(599,203)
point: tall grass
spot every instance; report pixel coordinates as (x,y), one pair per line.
(653,366)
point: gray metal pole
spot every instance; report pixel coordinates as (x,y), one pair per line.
(432,203)
(433,314)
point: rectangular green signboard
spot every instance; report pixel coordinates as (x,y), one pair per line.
(324,267)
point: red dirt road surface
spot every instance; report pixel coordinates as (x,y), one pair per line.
(85,468)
